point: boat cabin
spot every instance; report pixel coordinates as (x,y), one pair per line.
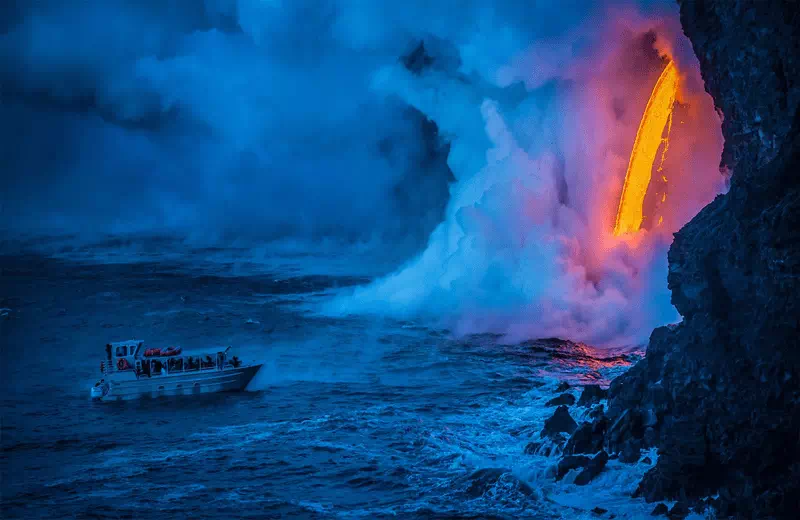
(132,357)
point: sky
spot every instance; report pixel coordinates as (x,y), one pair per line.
(477,142)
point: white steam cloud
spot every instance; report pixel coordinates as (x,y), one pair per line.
(263,119)
(526,248)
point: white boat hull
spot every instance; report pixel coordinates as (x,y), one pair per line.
(181,383)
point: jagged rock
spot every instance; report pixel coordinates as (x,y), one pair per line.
(593,468)
(679,511)
(599,511)
(592,394)
(565,399)
(588,438)
(660,509)
(596,412)
(627,426)
(561,421)
(631,451)
(571,462)
(563,387)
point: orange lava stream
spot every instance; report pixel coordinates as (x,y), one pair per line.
(657,115)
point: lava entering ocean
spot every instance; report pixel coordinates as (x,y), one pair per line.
(657,116)
(537,240)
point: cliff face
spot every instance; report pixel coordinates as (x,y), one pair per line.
(719,394)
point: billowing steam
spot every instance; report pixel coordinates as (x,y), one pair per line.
(252,120)
(527,248)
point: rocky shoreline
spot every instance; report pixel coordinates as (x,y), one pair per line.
(719,394)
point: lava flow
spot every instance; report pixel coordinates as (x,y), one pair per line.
(657,116)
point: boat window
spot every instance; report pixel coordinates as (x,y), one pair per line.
(122,351)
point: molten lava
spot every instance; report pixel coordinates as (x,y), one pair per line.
(657,115)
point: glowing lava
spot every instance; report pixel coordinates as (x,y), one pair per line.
(657,115)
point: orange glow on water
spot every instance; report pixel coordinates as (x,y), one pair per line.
(657,116)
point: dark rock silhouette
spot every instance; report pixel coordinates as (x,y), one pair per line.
(561,421)
(593,468)
(588,438)
(592,394)
(571,462)
(565,399)
(679,511)
(660,509)
(563,387)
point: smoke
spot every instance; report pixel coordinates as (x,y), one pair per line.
(496,132)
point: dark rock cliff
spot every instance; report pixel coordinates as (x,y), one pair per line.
(719,394)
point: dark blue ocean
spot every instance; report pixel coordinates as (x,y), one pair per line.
(349,417)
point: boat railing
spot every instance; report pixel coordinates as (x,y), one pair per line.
(108,367)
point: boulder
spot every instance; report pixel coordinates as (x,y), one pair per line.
(565,399)
(592,394)
(679,511)
(593,468)
(597,412)
(561,421)
(631,451)
(571,462)
(563,387)
(588,438)
(660,509)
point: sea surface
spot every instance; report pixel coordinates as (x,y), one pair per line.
(349,417)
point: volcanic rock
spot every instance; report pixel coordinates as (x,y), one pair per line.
(565,399)
(588,438)
(561,421)
(592,394)
(593,468)
(719,393)
(679,511)
(660,509)
(631,451)
(628,425)
(563,387)
(571,462)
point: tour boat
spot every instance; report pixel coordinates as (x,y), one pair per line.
(131,371)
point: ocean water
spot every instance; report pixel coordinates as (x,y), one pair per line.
(349,417)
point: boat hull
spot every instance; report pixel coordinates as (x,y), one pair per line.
(183,383)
